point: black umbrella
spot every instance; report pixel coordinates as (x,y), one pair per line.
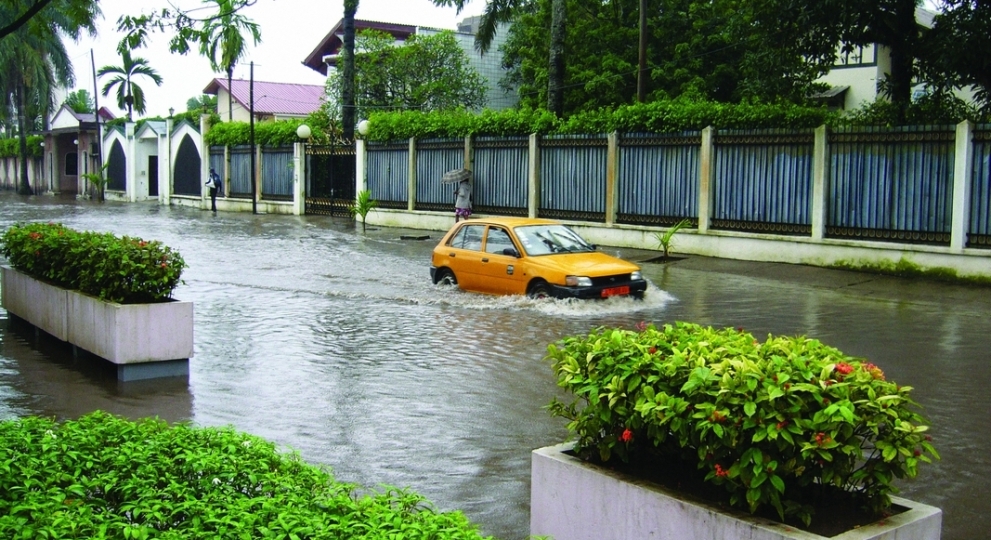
(456,175)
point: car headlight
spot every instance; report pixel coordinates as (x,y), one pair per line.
(636,275)
(578,281)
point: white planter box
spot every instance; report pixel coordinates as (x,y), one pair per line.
(574,500)
(143,340)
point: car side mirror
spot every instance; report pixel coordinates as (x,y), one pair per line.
(511,252)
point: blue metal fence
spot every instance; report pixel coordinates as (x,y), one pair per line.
(388,174)
(277,173)
(501,175)
(240,178)
(434,157)
(763,181)
(979,230)
(883,184)
(891,184)
(573,177)
(658,178)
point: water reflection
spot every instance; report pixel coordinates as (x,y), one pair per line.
(333,342)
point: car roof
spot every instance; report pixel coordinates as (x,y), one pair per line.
(512,221)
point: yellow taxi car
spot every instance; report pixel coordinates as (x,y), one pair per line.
(536,257)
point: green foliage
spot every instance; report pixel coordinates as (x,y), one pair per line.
(935,108)
(80,101)
(102,476)
(664,238)
(98,179)
(271,133)
(11,148)
(362,206)
(117,269)
(655,117)
(776,423)
(426,73)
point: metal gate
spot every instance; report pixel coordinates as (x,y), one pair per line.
(329,179)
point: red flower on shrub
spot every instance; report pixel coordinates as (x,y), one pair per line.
(844,368)
(627,436)
(874,371)
(35,235)
(641,326)
(720,471)
(164,265)
(653,350)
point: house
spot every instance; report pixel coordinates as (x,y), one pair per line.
(72,149)
(853,80)
(273,101)
(326,54)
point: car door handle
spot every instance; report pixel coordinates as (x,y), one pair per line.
(452,255)
(485,259)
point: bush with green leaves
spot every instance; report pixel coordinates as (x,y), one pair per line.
(654,117)
(778,423)
(102,476)
(116,269)
(12,147)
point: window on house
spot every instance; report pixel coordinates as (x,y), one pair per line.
(71,164)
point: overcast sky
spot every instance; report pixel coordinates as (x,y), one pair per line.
(290,30)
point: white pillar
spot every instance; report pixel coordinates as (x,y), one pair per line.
(612,178)
(819,185)
(706,174)
(533,176)
(165,187)
(298,179)
(411,187)
(963,168)
(360,166)
(131,175)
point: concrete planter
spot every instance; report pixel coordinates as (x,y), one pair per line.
(573,500)
(144,341)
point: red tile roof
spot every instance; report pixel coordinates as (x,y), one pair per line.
(331,43)
(273,98)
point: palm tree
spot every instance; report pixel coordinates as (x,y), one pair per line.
(129,94)
(37,63)
(347,87)
(223,44)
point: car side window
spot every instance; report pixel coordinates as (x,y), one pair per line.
(497,240)
(469,237)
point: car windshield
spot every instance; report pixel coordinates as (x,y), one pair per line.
(548,239)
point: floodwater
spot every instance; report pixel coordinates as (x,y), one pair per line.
(334,343)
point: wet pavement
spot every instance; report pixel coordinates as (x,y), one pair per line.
(334,343)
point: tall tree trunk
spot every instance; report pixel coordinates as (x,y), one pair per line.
(905,34)
(347,86)
(555,71)
(22,132)
(642,55)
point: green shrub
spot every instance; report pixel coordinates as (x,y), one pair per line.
(105,477)
(117,269)
(777,423)
(12,147)
(656,117)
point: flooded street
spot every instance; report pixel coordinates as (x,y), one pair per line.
(333,342)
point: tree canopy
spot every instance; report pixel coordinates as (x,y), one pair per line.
(427,73)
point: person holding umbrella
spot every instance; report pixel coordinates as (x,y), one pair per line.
(462,191)
(462,200)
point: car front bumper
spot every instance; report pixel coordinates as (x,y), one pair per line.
(636,290)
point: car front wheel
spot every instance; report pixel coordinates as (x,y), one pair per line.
(539,291)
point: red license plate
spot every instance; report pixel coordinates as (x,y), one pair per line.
(615,291)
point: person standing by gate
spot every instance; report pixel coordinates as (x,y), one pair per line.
(215,184)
